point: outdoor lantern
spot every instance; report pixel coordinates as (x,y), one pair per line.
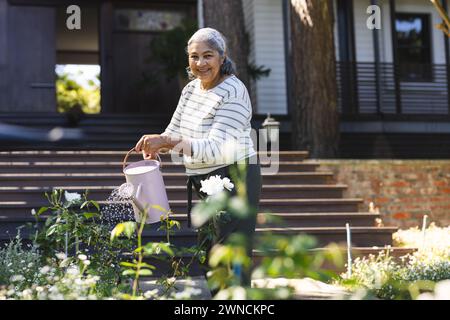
(272,129)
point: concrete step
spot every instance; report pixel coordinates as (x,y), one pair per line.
(361,236)
(175,192)
(115,166)
(118,156)
(23,208)
(105,179)
(306,219)
(163,267)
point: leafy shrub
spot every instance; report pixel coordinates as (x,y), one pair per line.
(19,266)
(70,93)
(385,278)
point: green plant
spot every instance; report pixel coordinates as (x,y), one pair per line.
(74,227)
(70,93)
(282,256)
(137,267)
(168,51)
(70,224)
(19,265)
(383,277)
(64,278)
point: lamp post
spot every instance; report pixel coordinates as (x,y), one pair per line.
(272,128)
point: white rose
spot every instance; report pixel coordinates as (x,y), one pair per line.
(82,257)
(61,255)
(215,184)
(17,278)
(227,184)
(44,270)
(72,196)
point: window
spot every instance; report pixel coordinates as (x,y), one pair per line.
(146,20)
(414,46)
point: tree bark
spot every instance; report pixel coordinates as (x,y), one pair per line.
(227,16)
(315,118)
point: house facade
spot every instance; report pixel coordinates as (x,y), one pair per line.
(393,82)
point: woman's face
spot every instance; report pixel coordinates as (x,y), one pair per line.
(204,62)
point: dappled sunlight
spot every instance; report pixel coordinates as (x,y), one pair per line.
(301,7)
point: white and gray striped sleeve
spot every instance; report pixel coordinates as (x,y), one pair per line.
(230,121)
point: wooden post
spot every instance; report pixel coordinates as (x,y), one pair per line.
(106,62)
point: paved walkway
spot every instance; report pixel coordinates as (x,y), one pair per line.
(197,288)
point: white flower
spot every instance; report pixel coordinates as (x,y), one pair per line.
(227,184)
(17,278)
(82,257)
(33,212)
(72,196)
(73,270)
(86,262)
(61,255)
(44,270)
(215,184)
(150,293)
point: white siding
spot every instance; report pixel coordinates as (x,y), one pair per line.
(363,36)
(268,46)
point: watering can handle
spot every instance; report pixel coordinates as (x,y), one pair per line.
(124,163)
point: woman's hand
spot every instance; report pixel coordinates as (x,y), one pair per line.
(149,145)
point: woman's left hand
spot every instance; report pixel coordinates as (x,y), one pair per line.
(149,145)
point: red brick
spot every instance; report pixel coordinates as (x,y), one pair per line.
(441,183)
(401,215)
(381,200)
(444,190)
(399,184)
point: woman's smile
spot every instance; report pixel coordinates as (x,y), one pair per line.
(205,63)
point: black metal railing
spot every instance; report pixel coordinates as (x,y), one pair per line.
(370,89)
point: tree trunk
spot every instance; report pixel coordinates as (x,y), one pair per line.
(227,16)
(315,118)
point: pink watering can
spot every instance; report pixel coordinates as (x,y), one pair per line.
(145,187)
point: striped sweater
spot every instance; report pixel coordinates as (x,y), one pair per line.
(217,124)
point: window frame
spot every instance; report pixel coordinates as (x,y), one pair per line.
(426,19)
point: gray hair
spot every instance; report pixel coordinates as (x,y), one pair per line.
(217,42)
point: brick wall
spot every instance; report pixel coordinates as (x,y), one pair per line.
(403,190)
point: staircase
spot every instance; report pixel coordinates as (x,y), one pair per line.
(307,199)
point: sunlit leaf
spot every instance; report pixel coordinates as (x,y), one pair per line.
(42,210)
(117,231)
(145,272)
(158,207)
(89,215)
(128,264)
(129,272)
(129,228)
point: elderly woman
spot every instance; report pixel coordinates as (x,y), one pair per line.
(213,113)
